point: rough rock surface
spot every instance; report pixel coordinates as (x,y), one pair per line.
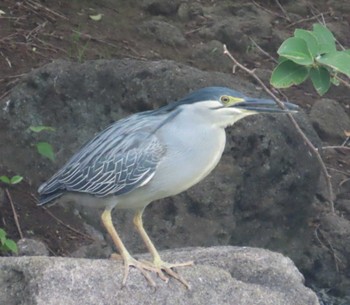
(222,275)
(32,247)
(329,120)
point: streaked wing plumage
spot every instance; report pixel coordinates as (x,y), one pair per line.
(119,159)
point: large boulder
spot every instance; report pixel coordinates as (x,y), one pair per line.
(222,275)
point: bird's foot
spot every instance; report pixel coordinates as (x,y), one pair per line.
(157,266)
(161,267)
(144,268)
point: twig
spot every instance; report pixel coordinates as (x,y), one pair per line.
(36,30)
(269,11)
(344,82)
(14,213)
(262,50)
(65,225)
(344,181)
(36,5)
(336,147)
(346,141)
(294,122)
(329,248)
(308,19)
(282,9)
(7,60)
(338,171)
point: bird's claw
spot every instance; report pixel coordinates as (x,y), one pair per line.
(161,267)
(158,266)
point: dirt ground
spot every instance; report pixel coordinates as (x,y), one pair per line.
(33,33)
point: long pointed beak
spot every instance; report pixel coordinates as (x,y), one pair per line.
(265,105)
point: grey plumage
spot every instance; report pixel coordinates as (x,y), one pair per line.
(118,160)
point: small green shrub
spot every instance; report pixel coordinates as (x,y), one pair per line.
(11,181)
(311,54)
(6,244)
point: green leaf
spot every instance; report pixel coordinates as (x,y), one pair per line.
(5,179)
(16,179)
(325,39)
(296,49)
(337,60)
(2,236)
(309,38)
(45,149)
(287,74)
(321,79)
(281,59)
(41,128)
(11,245)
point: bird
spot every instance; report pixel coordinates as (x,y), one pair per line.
(151,155)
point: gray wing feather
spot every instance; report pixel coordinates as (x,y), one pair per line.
(118,160)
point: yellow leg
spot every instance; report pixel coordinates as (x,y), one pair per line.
(157,261)
(127,258)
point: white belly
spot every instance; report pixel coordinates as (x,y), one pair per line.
(188,160)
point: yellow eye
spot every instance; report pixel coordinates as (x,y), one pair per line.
(225,99)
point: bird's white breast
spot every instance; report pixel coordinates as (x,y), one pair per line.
(192,152)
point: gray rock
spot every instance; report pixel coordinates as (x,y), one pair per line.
(161,7)
(190,11)
(329,120)
(163,32)
(211,55)
(341,7)
(31,247)
(234,25)
(222,275)
(97,249)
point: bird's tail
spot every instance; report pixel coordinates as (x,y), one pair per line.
(46,198)
(50,191)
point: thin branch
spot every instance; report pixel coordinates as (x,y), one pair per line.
(35,5)
(308,19)
(330,248)
(269,11)
(338,171)
(346,141)
(336,147)
(14,213)
(344,181)
(282,9)
(67,226)
(344,82)
(262,50)
(280,103)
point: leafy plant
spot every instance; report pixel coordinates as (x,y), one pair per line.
(45,149)
(6,244)
(311,54)
(11,181)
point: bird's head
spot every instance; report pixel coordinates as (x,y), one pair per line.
(224,106)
